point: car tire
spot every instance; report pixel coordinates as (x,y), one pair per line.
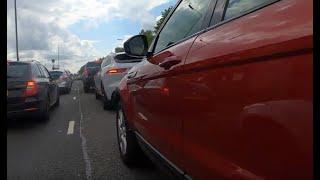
(44,114)
(57,103)
(86,89)
(97,95)
(130,151)
(107,105)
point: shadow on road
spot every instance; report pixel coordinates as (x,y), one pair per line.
(24,123)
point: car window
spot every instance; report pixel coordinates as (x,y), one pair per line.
(40,70)
(56,74)
(185,21)
(93,65)
(17,70)
(46,72)
(238,7)
(106,62)
(36,72)
(43,71)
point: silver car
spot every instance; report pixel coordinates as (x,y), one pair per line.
(113,68)
(63,80)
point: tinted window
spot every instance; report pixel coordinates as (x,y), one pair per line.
(186,20)
(40,70)
(17,70)
(56,74)
(45,71)
(124,58)
(35,71)
(93,65)
(106,62)
(237,7)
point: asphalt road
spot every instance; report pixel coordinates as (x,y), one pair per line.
(45,150)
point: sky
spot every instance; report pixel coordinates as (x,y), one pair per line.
(84,30)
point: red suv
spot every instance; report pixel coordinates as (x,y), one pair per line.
(225,91)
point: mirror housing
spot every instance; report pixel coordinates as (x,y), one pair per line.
(136,46)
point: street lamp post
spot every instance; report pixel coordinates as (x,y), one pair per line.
(15,17)
(52,63)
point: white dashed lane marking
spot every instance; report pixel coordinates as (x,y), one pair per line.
(71,127)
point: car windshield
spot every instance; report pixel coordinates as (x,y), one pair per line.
(56,74)
(17,70)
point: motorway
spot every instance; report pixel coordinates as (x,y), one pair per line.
(78,142)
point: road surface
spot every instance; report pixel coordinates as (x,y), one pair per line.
(57,149)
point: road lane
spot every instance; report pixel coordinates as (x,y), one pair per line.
(100,131)
(45,150)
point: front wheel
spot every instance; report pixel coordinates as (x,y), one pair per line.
(129,149)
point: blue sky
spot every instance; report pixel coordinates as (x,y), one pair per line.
(108,33)
(84,29)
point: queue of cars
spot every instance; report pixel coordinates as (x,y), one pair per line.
(223,92)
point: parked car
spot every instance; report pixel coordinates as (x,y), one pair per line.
(31,92)
(225,93)
(64,80)
(113,68)
(90,69)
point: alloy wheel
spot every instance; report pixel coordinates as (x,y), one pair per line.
(122,134)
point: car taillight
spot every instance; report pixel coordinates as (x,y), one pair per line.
(31,89)
(116,71)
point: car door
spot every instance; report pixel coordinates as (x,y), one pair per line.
(245,75)
(52,87)
(156,92)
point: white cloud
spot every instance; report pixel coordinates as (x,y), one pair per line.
(42,25)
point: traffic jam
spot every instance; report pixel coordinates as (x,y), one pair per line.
(222,90)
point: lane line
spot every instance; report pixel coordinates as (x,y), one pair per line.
(74,98)
(84,144)
(71,127)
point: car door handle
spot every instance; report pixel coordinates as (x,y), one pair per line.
(132,74)
(169,62)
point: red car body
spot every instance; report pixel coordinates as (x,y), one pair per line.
(239,105)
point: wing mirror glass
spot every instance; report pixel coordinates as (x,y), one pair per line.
(136,46)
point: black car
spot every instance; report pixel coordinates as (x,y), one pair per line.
(30,90)
(90,69)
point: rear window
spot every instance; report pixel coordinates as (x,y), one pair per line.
(18,70)
(55,74)
(124,58)
(93,65)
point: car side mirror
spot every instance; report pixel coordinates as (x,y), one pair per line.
(136,46)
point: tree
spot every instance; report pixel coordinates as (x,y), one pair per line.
(148,34)
(164,14)
(119,49)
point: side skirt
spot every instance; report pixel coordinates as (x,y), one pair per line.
(162,162)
